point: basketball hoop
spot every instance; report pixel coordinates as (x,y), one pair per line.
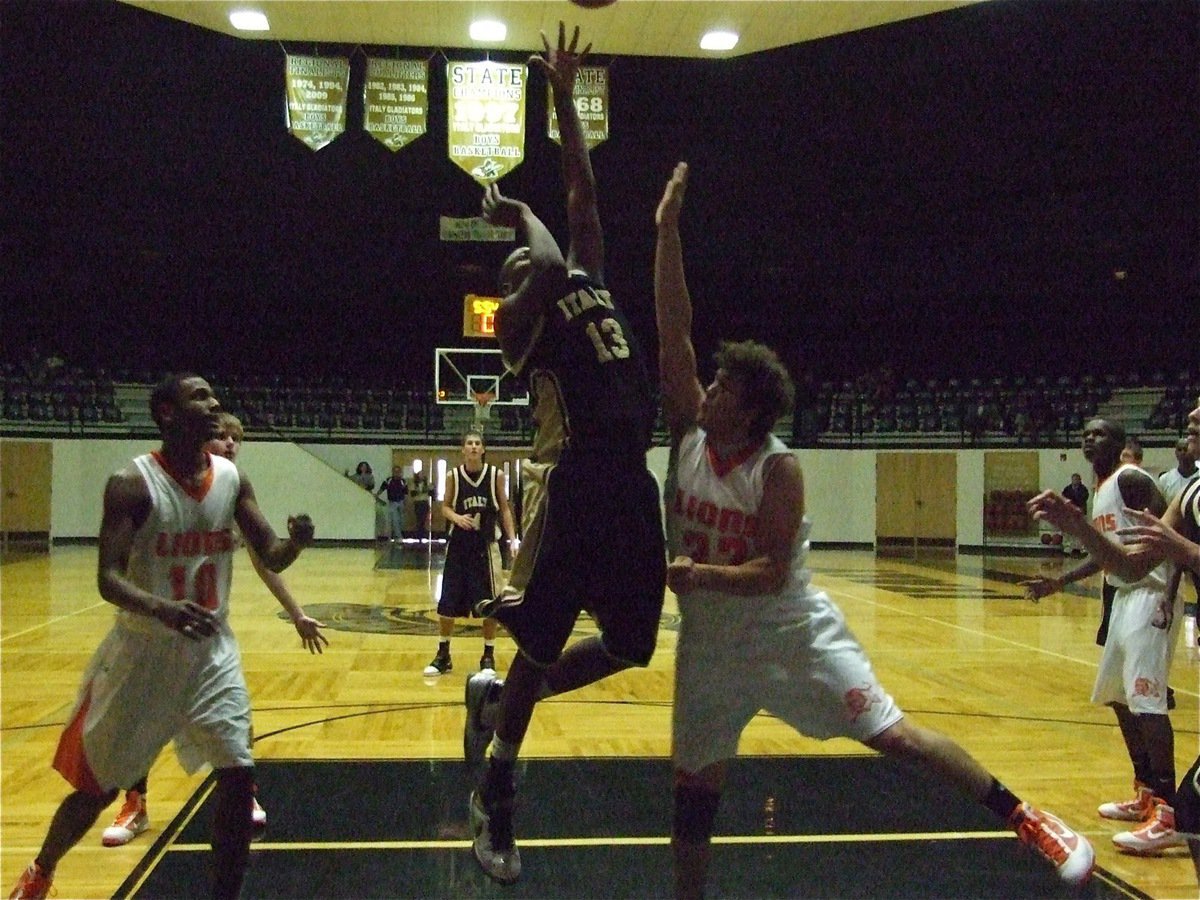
(483,406)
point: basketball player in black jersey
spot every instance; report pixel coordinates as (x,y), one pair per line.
(593,538)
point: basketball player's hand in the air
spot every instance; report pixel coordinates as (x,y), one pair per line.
(1053,507)
(1159,537)
(561,63)
(188,618)
(300,530)
(310,635)
(1037,588)
(501,210)
(681,575)
(672,198)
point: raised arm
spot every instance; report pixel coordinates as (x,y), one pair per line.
(673,310)
(274,553)
(531,275)
(561,65)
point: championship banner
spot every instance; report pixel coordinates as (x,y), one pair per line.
(486,118)
(591,101)
(316,98)
(396,100)
(473,229)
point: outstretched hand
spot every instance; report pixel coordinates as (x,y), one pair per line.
(1040,586)
(672,198)
(1161,538)
(310,635)
(500,210)
(1052,507)
(562,63)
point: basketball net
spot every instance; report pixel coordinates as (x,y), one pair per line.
(483,406)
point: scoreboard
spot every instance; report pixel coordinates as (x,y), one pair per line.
(479,316)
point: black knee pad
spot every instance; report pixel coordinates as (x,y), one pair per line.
(695,813)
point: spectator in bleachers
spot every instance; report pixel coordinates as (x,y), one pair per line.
(363,476)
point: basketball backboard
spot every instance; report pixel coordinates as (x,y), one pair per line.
(462,375)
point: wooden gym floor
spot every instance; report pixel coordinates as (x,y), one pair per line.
(951,638)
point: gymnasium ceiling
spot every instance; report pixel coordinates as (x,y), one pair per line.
(669,28)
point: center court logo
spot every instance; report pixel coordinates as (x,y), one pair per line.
(422,621)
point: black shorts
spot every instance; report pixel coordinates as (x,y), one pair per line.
(1187,802)
(601,549)
(471,574)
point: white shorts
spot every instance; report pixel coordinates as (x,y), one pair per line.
(1139,649)
(146,686)
(807,670)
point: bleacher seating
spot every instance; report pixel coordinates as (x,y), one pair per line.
(868,411)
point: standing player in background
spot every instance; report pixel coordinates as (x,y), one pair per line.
(476,495)
(755,634)
(169,668)
(599,544)
(134,817)
(1145,622)
(1177,538)
(1041,586)
(1173,481)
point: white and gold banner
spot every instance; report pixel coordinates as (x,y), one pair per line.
(316,98)
(486,117)
(591,100)
(473,229)
(396,100)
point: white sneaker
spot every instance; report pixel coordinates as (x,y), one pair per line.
(495,850)
(1154,836)
(131,821)
(1069,852)
(1139,809)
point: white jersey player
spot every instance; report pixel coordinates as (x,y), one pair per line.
(755,634)
(169,667)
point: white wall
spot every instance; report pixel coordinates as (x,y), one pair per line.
(286,479)
(291,478)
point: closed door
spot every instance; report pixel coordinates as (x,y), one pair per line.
(25,487)
(916,499)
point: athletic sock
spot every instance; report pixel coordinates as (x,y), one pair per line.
(1000,800)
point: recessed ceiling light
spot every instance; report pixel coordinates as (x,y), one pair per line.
(718,40)
(249,20)
(488,31)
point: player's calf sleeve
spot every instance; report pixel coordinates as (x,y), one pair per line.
(695,813)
